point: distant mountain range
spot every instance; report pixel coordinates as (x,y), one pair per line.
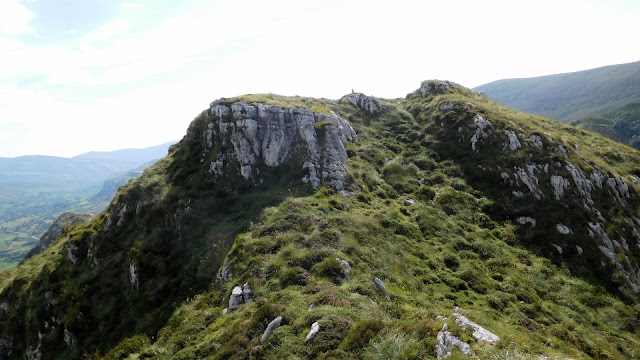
(35,189)
(605,99)
(85,168)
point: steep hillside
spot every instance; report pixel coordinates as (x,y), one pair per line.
(603,99)
(570,96)
(360,228)
(621,124)
(34,190)
(67,219)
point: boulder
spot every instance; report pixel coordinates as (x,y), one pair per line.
(379,283)
(274,324)
(446,341)
(315,327)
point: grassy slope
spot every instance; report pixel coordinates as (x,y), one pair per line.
(456,245)
(569,96)
(598,99)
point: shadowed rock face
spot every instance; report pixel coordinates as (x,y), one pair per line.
(269,134)
(68,218)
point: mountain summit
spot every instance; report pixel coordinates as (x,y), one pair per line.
(437,225)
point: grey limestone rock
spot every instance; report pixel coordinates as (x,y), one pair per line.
(557,247)
(274,324)
(435,87)
(479,333)
(315,327)
(619,189)
(6,347)
(269,134)
(236,299)
(537,141)
(346,267)
(69,339)
(559,185)
(225,272)
(522,220)
(379,283)
(70,255)
(514,143)
(240,295)
(247,293)
(369,104)
(563,229)
(133,275)
(446,341)
(530,180)
(482,131)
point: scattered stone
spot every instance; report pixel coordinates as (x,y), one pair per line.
(315,327)
(564,230)
(133,275)
(347,194)
(379,283)
(558,248)
(482,131)
(225,272)
(346,267)
(70,256)
(311,307)
(6,347)
(479,333)
(529,180)
(559,184)
(537,141)
(526,220)
(584,185)
(367,103)
(270,328)
(446,341)
(579,249)
(236,299)
(435,87)
(514,143)
(619,189)
(446,106)
(69,339)
(240,295)
(409,201)
(247,293)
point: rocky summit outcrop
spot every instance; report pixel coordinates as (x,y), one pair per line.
(244,137)
(65,219)
(369,104)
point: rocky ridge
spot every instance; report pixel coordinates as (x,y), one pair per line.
(348,246)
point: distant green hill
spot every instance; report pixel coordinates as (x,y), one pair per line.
(35,189)
(604,99)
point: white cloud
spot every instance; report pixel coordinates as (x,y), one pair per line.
(14,18)
(107,32)
(166,72)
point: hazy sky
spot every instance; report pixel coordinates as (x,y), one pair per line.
(81,75)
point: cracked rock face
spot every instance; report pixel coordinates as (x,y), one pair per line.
(367,103)
(269,134)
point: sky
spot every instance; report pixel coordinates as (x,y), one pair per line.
(101,75)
